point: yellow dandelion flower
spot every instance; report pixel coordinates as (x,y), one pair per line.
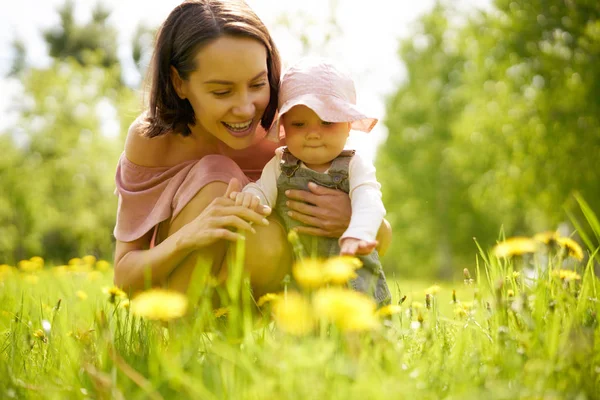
(349,310)
(75,261)
(460,311)
(566,275)
(125,303)
(89,260)
(572,247)
(267,298)
(547,237)
(292,314)
(41,335)
(309,273)
(417,305)
(114,293)
(102,265)
(515,246)
(219,312)
(464,309)
(389,310)
(159,304)
(38,260)
(510,293)
(29,266)
(81,295)
(31,279)
(433,290)
(6,271)
(339,270)
(85,336)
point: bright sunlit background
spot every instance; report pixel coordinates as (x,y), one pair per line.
(364,38)
(489,116)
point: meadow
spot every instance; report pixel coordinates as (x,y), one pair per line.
(522,324)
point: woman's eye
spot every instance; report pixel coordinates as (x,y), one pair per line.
(298,124)
(327,123)
(259,85)
(221,92)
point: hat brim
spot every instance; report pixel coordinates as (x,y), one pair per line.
(328,108)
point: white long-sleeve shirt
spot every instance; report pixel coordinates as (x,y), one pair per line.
(365,194)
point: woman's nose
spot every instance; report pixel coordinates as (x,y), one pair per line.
(244,107)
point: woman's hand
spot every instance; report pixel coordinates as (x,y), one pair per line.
(325,211)
(223,219)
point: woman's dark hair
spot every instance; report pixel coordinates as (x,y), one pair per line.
(191,25)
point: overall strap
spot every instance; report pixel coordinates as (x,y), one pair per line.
(340,165)
(289,164)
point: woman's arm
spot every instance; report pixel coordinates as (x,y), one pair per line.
(135,263)
(327,212)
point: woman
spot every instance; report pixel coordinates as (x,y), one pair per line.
(213,94)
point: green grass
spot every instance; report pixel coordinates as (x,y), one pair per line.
(504,337)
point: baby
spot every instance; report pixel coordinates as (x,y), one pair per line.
(317,109)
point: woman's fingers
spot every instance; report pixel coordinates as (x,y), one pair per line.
(302,196)
(304,208)
(226,234)
(241,212)
(232,221)
(315,194)
(307,219)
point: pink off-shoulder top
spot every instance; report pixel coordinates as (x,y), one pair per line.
(150,195)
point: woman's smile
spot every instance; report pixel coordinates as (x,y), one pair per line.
(240,129)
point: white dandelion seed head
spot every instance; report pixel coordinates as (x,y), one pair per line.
(46,326)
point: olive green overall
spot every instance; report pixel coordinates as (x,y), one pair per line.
(371,279)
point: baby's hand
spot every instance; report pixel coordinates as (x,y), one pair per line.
(250,201)
(352,246)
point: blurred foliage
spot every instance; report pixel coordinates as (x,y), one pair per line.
(71,40)
(496,126)
(58,161)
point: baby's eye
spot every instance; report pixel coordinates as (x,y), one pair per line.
(327,123)
(298,124)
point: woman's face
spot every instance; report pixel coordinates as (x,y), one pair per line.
(229,90)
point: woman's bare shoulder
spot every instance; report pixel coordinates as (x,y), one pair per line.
(144,151)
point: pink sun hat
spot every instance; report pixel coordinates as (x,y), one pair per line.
(325,89)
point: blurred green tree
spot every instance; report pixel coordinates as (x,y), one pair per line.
(496,126)
(530,134)
(72,40)
(57,179)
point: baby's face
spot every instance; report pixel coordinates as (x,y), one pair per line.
(312,140)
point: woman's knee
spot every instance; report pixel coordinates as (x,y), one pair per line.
(268,255)
(197,204)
